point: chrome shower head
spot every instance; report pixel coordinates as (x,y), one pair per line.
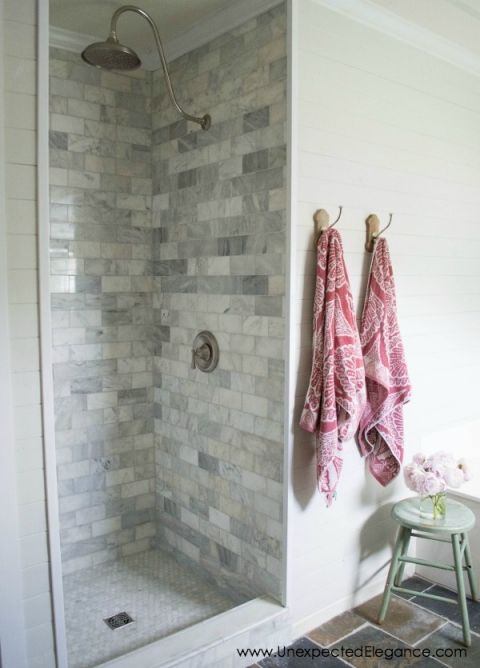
(111,55)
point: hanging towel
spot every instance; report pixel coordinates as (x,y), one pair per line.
(336,393)
(380,435)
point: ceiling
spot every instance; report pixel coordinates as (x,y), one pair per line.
(173,17)
(458,21)
(92,17)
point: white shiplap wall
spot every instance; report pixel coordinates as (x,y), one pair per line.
(19,62)
(380,127)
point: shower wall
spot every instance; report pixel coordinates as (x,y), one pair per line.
(219,264)
(100,152)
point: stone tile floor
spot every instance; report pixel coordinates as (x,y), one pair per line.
(162,595)
(412,622)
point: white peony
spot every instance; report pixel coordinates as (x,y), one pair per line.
(453,477)
(464,466)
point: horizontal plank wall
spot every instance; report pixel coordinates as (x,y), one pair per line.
(381,127)
(20,137)
(12,636)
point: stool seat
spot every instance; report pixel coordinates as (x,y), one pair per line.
(458,517)
(453,529)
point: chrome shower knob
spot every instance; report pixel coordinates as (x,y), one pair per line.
(205,352)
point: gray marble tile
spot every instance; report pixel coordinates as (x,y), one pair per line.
(58,140)
(208,463)
(260,118)
(255,161)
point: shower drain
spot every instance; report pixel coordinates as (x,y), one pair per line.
(118,620)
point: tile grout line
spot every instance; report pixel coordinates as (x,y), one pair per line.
(333,643)
(365,623)
(448,620)
(431,633)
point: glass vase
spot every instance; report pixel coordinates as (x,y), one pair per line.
(433,507)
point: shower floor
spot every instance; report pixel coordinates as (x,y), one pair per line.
(160,594)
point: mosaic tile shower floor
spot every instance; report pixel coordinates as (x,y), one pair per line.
(160,594)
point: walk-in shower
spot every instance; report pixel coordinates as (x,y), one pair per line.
(167,260)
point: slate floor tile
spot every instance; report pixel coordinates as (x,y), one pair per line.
(416,584)
(301,660)
(370,636)
(336,628)
(403,620)
(450,610)
(450,637)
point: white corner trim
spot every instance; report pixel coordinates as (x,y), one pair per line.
(53,526)
(389,23)
(291,338)
(69,40)
(200,33)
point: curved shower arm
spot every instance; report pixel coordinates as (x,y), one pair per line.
(204,121)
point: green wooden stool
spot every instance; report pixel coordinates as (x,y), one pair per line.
(453,528)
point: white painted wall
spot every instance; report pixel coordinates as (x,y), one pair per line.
(12,637)
(33,640)
(380,127)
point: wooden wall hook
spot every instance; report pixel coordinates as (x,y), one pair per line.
(373,228)
(321,220)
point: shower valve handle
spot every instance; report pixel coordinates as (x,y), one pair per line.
(203,352)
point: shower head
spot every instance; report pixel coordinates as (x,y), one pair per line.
(111,55)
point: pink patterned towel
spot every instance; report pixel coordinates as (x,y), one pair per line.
(336,393)
(380,436)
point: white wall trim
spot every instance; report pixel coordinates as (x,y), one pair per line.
(200,33)
(43,208)
(389,23)
(291,342)
(303,626)
(12,623)
(70,40)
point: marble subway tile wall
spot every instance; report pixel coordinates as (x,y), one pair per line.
(219,264)
(101,285)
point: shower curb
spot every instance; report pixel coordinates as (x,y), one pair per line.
(261,622)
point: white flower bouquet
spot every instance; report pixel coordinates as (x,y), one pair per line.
(431,476)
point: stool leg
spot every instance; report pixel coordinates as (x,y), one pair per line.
(470,571)
(405,544)
(392,572)
(462,599)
